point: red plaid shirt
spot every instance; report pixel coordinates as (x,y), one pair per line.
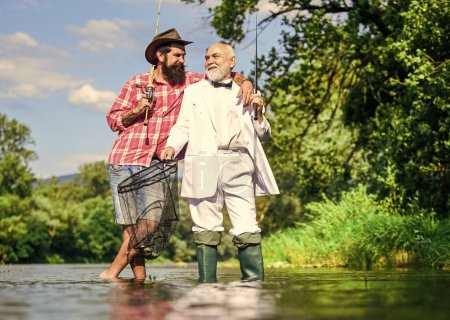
(130,146)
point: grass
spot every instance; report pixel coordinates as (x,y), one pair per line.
(360,232)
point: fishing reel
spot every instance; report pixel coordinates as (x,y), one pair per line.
(148,91)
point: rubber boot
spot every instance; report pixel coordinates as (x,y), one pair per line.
(207,263)
(251,261)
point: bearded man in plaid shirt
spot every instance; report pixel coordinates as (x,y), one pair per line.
(138,145)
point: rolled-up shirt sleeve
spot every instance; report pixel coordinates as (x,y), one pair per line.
(126,100)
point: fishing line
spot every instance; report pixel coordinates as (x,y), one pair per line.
(255,90)
(150,89)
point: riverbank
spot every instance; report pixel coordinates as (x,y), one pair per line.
(359,232)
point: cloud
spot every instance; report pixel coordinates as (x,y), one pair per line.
(101,35)
(22,39)
(22,44)
(28,78)
(89,97)
(29,69)
(26,68)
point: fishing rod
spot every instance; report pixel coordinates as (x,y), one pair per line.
(150,89)
(255,90)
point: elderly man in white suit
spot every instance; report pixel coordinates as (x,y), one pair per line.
(224,164)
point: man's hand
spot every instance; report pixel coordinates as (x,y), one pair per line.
(131,115)
(142,104)
(258,104)
(246,91)
(167,153)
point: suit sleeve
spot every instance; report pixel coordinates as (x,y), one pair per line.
(263,130)
(179,134)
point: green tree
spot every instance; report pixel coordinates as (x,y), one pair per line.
(358,92)
(21,239)
(16,177)
(79,216)
(94,180)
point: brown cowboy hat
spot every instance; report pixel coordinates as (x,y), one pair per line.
(168,36)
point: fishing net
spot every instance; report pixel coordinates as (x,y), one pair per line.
(149,203)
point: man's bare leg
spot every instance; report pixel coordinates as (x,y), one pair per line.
(121,259)
(138,267)
(146,227)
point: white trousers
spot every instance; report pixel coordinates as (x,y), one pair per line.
(234,189)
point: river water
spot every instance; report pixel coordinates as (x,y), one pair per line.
(69,292)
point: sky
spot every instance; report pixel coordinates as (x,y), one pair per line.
(62,64)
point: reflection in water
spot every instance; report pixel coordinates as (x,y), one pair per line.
(235,300)
(136,301)
(157,301)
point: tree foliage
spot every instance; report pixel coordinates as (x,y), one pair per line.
(52,222)
(16,177)
(358,93)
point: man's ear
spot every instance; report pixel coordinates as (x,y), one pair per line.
(232,62)
(160,56)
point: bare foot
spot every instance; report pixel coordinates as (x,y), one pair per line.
(105,275)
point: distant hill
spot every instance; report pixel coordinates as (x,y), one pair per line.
(71,177)
(61,179)
(67,177)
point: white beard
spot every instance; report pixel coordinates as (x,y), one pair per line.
(219,73)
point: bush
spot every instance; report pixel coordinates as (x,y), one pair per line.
(358,231)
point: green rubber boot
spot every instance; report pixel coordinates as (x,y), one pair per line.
(207,263)
(251,261)
(207,242)
(250,256)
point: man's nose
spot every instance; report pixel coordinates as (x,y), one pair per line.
(181,59)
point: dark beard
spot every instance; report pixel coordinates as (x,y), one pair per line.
(174,74)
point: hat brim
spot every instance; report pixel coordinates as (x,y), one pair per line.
(154,45)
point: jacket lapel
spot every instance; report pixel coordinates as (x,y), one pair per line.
(209,102)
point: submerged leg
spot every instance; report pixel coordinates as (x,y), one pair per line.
(122,258)
(137,265)
(146,228)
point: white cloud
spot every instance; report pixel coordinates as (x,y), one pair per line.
(88,96)
(26,68)
(29,69)
(28,77)
(101,35)
(22,44)
(23,39)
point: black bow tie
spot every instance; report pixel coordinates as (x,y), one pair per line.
(221,84)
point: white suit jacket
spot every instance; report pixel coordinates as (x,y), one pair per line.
(196,127)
